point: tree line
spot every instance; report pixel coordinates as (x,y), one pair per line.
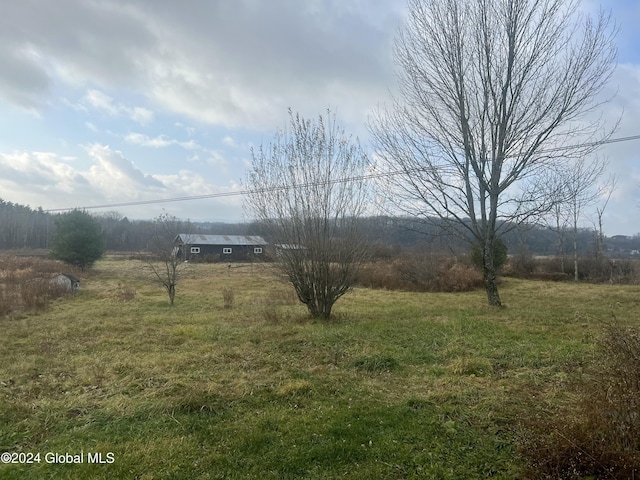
(23,227)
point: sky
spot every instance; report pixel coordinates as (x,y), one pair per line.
(107,102)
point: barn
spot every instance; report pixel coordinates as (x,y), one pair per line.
(222,248)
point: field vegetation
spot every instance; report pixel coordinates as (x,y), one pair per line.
(235,380)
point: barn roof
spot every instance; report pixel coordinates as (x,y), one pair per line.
(193,239)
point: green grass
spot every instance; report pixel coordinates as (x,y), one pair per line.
(398,385)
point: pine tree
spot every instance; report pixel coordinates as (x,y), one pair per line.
(78,239)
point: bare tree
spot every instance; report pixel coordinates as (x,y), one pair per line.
(307,189)
(491,93)
(606,191)
(578,183)
(165,263)
(573,188)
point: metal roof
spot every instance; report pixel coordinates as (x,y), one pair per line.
(195,239)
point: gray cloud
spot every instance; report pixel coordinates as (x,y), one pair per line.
(101,42)
(22,80)
(227,63)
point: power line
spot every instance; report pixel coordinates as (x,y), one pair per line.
(339,180)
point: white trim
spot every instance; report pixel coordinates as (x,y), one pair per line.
(195,249)
(257,250)
(227,251)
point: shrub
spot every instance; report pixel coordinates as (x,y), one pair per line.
(522,264)
(6,302)
(499,255)
(458,277)
(37,293)
(228,297)
(421,273)
(24,283)
(272,315)
(600,435)
(124,293)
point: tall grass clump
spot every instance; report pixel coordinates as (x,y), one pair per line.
(599,436)
(228,297)
(124,293)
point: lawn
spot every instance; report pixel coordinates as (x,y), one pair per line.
(397,385)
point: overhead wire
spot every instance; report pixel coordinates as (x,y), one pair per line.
(338,180)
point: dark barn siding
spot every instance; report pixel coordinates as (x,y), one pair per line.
(212,247)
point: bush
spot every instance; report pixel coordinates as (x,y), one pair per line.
(25,285)
(522,265)
(227,297)
(124,293)
(499,255)
(600,435)
(421,273)
(6,302)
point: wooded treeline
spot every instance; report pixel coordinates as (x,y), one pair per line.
(22,227)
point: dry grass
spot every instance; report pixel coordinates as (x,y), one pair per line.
(25,286)
(399,385)
(597,435)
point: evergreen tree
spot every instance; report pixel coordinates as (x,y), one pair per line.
(78,239)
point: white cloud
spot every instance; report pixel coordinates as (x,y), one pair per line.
(116,176)
(51,181)
(40,178)
(160,141)
(230,142)
(101,101)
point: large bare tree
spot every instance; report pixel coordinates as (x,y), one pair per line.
(491,93)
(307,188)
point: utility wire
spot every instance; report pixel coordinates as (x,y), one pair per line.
(339,180)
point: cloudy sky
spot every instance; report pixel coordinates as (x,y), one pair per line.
(105,102)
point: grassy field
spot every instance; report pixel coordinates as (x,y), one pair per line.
(399,385)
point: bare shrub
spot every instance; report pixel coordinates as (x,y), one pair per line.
(599,436)
(6,302)
(458,277)
(37,293)
(522,264)
(228,296)
(25,285)
(590,269)
(271,315)
(282,295)
(124,293)
(421,273)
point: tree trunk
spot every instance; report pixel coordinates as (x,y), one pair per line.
(491,287)
(575,252)
(172,293)
(490,275)
(320,308)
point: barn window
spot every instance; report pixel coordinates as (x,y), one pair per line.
(257,249)
(195,249)
(226,251)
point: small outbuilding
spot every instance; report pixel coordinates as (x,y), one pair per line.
(65,281)
(222,248)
